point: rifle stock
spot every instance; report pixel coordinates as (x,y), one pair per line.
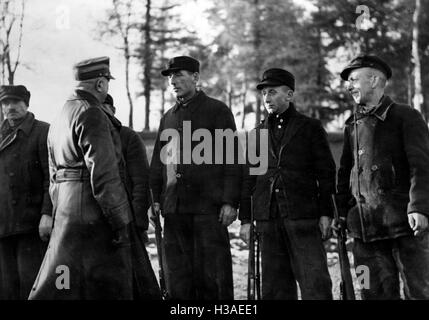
(253,271)
(346,285)
(159,247)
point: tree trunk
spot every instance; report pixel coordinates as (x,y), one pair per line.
(418,96)
(148,64)
(256,47)
(127,83)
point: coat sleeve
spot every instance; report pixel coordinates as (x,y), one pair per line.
(43,159)
(324,168)
(232,182)
(96,143)
(156,166)
(344,196)
(138,172)
(416,144)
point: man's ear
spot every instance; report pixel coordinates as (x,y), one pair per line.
(99,85)
(375,80)
(290,95)
(196,77)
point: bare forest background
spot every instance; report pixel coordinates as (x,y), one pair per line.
(314,39)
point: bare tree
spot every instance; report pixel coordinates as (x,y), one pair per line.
(418,96)
(122,16)
(147,56)
(11,16)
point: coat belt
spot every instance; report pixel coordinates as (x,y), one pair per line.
(70,174)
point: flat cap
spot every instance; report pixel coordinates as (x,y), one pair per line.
(366,61)
(15,92)
(277,77)
(181,63)
(92,68)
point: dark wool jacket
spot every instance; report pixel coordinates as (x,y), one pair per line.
(393,173)
(24,177)
(137,174)
(303,173)
(195,188)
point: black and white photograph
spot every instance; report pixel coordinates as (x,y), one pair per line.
(208,156)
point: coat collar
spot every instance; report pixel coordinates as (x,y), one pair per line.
(380,111)
(294,124)
(80,93)
(25,127)
(193,103)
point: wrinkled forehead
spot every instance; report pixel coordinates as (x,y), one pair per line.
(283,88)
(356,73)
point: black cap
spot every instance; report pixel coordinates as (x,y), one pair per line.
(181,63)
(109,100)
(15,92)
(277,77)
(367,61)
(93,68)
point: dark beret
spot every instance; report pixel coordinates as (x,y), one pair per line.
(181,63)
(367,61)
(109,100)
(93,68)
(277,77)
(15,92)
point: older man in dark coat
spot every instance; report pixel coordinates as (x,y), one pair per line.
(383,184)
(25,206)
(90,253)
(198,200)
(291,200)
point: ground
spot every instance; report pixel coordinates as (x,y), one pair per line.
(239,251)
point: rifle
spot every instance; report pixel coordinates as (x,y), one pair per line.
(347,291)
(159,247)
(253,271)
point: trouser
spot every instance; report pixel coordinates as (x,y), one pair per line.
(387,259)
(292,251)
(198,257)
(20,259)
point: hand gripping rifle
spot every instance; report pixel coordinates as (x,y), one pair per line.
(159,247)
(347,291)
(253,271)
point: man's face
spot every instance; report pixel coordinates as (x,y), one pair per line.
(105,86)
(359,85)
(183,83)
(14,109)
(276,99)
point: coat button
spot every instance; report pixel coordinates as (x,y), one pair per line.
(381,191)
(361,152)
(178,175)
(11,174)
(277,190)
(374,167)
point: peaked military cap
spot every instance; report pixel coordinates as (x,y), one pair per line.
(181,63)
(366,61)
(93,68)
(15,92)
(277,77)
